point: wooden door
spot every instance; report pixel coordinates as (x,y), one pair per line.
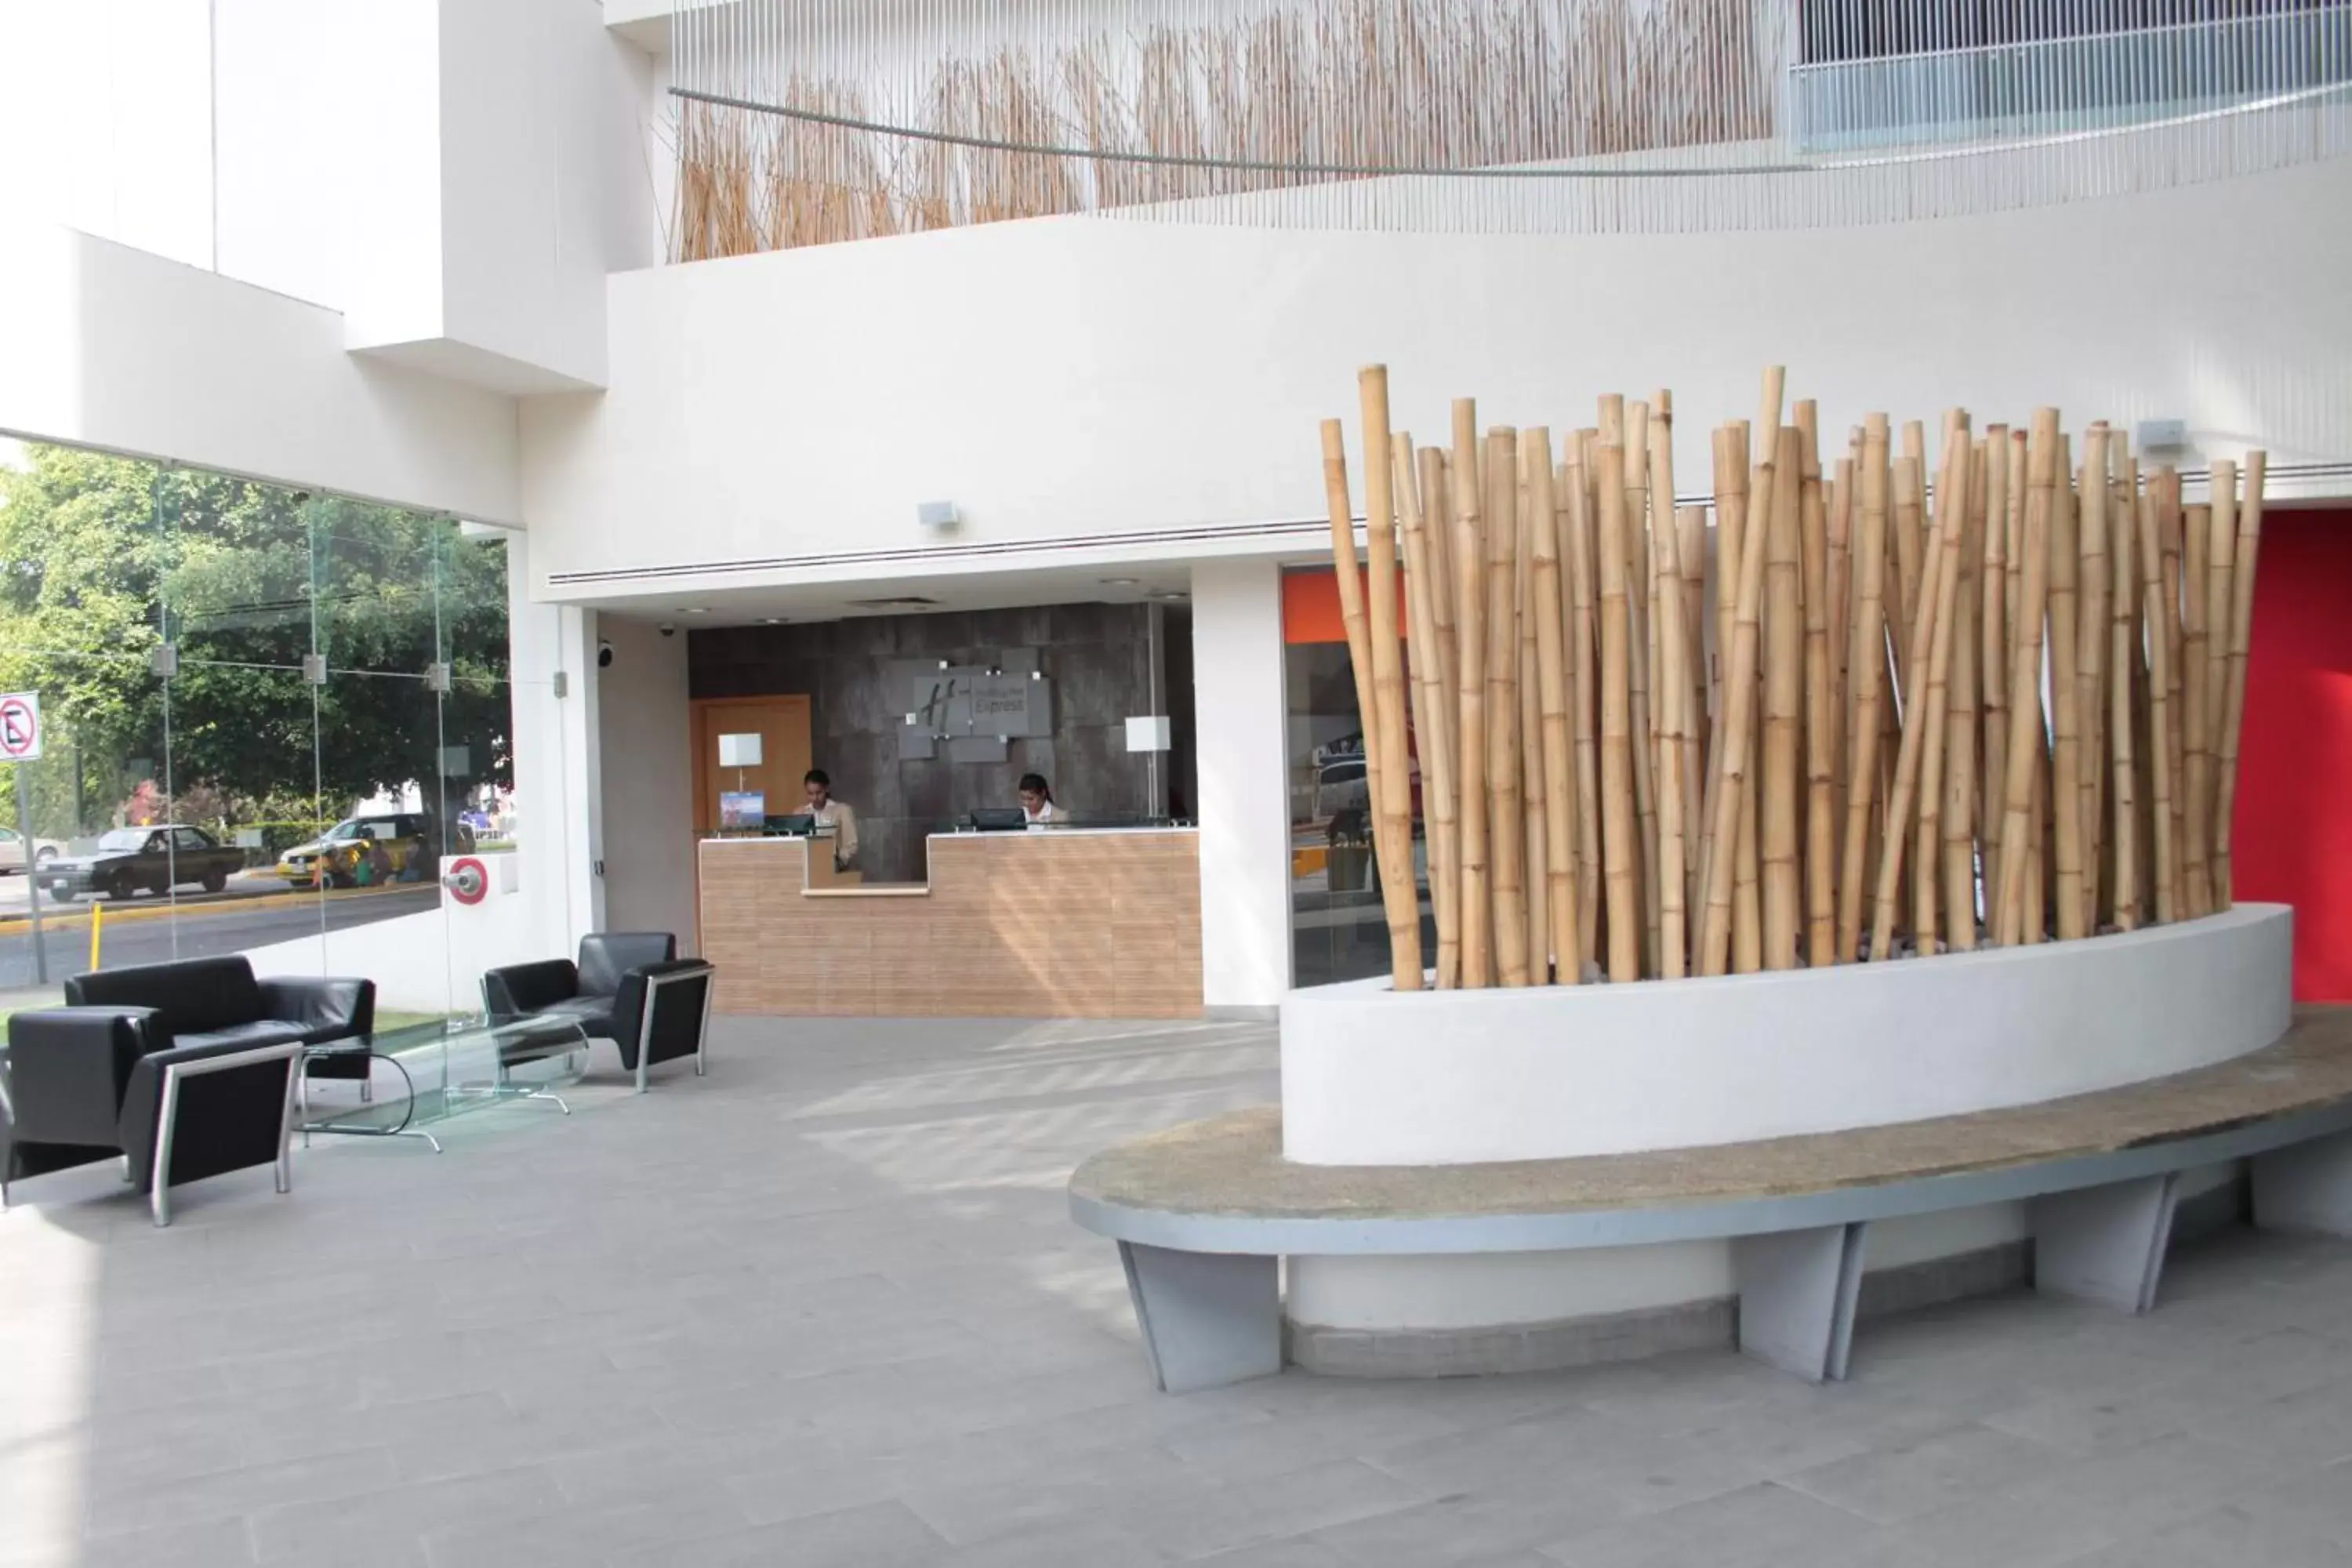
(783,725)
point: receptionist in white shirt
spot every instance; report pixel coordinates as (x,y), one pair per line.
(831,812)
(1037,801)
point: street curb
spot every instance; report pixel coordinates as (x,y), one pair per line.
(79,916)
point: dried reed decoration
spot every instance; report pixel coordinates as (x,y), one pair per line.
(1879,719)
(1376,84)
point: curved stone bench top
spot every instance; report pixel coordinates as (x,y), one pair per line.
(1222,1186)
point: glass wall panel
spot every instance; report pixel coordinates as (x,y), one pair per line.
(1338,930)
(238,780)
(298,707)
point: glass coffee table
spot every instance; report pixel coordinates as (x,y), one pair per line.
(447,1067)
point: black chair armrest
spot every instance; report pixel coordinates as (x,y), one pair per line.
(228,1119)
(629,1010)
(521,988)
(70,1068)
(327,1008)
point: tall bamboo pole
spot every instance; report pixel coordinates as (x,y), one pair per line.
(1506,814)
(1820,732)
(1960,781)
(2195,725)
(1641,584)
(1675,798)
(1584,707)
(2021,831)
(1866,670)
(1673,688)
(2093,631)
(1922,716)
(1681,533)
(1345,566)
(2168,526)
(2065,702)
(1842,509)
(1993,657)
(1432,696)
(1551,661)
(2123,661)
(1738,731)
(1730,472)
(1620,851)
(1783,700)
(1747,910)
(1533,831)
(2162,779)
(1470,650)
(2221,552)
(1393,845)
(2233,708)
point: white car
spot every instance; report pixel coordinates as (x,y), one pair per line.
(12,850)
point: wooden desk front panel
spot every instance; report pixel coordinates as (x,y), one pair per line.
(1015,925)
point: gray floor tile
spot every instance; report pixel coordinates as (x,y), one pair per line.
(878,1535)
(828,1307)
(1757,1527)
(1921,1476)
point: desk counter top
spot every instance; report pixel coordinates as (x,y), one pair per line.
(1059,922)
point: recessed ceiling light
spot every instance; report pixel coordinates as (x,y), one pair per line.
(1121,582)
(771,620)
(693,610)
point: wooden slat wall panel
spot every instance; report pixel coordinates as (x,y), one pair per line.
(1022,925)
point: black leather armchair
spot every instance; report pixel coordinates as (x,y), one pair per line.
(628,987)
(84,1084)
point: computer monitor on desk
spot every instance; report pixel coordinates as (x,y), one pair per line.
(799,825)
(999,819)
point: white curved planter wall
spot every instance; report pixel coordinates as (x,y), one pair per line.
(1373,1078)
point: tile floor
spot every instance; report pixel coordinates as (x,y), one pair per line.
(825,1307)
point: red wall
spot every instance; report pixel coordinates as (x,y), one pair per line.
(2292,836)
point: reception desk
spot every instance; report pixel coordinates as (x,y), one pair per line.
(1062,923)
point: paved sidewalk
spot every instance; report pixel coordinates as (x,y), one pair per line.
(826,1307)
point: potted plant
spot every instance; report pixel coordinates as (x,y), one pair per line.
(1347,859)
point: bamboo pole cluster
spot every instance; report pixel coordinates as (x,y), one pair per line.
(1376,84)
(1897,703)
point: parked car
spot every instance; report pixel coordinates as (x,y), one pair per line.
(335,857)
(130,860)
(12,850)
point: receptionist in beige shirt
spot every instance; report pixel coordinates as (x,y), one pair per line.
(831,812)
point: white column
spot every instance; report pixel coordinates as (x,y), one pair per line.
(557,787)
(1245,789)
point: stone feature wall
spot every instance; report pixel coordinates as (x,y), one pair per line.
(1099,658)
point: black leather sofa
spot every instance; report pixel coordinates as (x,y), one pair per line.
(183,1070)
(628,987)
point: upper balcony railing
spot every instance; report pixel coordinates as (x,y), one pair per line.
(808,121)
(2055,87)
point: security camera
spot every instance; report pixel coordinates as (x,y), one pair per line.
(668,630)
(604,654)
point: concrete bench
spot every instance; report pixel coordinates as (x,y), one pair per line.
(1203,1213)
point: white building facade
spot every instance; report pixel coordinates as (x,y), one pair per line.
(417,253)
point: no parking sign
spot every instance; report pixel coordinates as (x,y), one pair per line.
(20,727)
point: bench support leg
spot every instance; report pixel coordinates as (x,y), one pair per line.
(1797,1291)
(2105,1243)
(2306,1186)
(1208,1318)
